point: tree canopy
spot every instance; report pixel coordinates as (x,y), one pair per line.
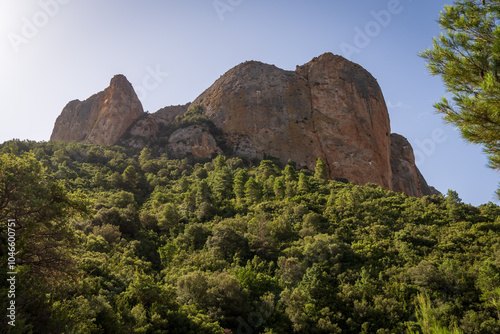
(224,246)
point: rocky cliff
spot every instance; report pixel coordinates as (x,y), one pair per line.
(405,174)
(101,119)
(329,108)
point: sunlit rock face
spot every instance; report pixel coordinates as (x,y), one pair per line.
(101,119)
(329,108)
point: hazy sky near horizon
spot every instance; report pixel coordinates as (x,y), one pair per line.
(55,51)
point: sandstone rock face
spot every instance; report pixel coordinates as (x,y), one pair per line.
(329,108)
(101,119)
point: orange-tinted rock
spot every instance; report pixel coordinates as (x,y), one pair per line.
(329,108)
(350,119)
(406,176)
(103,118)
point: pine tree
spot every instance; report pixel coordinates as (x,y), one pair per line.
(321,171)
(203,193)
(221,182)
(279,188)
(240,179)
(130,177)
(303,185)
(219,162)
(467,57)
(145,155)
(289,173)
(265,170)
(252,190)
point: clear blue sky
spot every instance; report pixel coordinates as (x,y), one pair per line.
(54,51)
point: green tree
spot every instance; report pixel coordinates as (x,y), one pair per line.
(265,170)
(145,155)
(130,177)
(226,241)
(303,185)
(40,209)
(453,203)
(252,190)
(279,188)
(427,318)
(116,180)
(169,218)
(467,57)
(289,173)
(321,170)
(221,183)
(147,164)
(219,162)
(203,193)
(240,179)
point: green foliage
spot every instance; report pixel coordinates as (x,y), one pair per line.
(321,170)
(41,208)
(427,319)
(467,57)
(225,247)
(252,190)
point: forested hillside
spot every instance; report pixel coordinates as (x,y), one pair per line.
(113,240)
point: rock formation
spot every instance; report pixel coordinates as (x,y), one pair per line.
(101,119)
(329,108)
(405,174)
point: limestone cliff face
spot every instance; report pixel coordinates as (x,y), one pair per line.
(329,108)
(101,119)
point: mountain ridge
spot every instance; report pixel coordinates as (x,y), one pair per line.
(328,108)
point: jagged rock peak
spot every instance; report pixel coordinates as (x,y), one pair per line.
(120,82)
(101,119)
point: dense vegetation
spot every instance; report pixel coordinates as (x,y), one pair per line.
(113,240)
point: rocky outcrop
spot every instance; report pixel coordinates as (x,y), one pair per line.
(406,176)
(193,141)
(101,119)
(149,129)
(329,108)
